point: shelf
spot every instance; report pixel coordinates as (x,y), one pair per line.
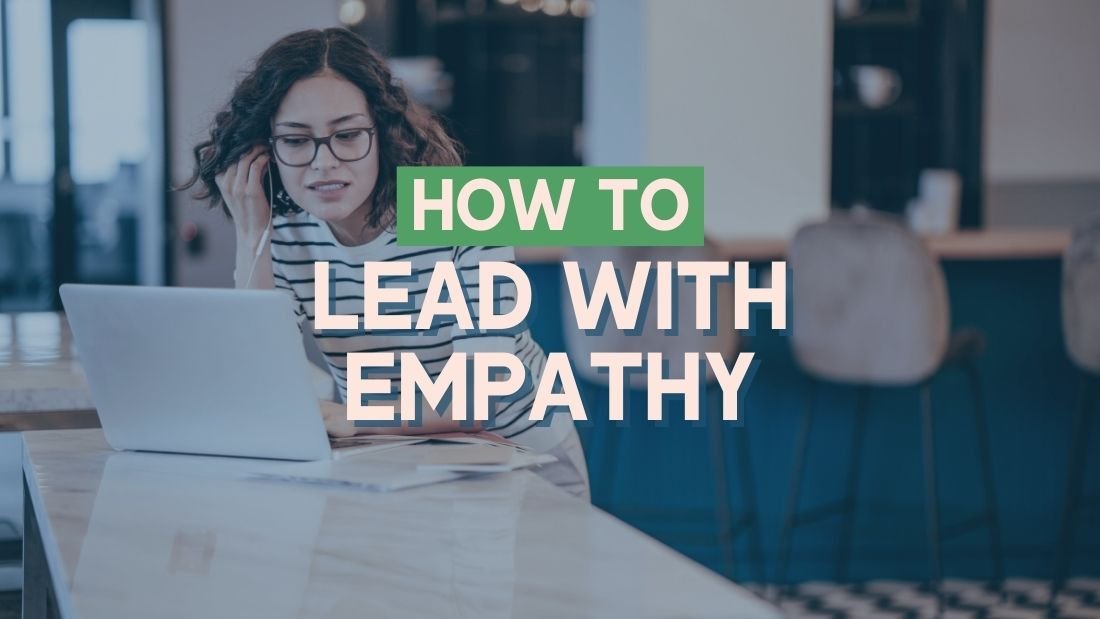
(502,17)
(880,19)
(847,108)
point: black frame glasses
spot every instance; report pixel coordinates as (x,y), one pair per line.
(317,142)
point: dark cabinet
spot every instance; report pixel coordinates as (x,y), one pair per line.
(517,75)
(879,146)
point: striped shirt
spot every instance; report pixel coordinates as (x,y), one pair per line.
(300,239)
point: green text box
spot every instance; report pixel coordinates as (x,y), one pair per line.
(588,221)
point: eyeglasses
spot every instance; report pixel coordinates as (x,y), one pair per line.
(299,150)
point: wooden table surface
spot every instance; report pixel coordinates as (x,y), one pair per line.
(122,534)
(41,383)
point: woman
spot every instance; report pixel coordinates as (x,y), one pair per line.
(322,106)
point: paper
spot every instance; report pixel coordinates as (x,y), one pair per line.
(468,454)
(373,439)
(373,475)
(400,439)
(471,437)
(519,460)
(396,464)
(347,447)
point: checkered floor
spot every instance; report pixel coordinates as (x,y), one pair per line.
(887,599)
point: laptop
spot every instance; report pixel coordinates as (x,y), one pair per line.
(210,371)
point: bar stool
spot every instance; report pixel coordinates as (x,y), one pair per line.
(870,310)
(1081,328)
(686,338)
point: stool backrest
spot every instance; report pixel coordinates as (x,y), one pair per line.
(1081,297)
(869,302)
(648,338)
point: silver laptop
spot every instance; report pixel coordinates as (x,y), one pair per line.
(198,370)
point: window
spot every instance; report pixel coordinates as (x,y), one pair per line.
(27,124)
(108,97)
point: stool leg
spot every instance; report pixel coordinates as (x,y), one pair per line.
(985,454)
(722,514)
(851,490)
(609,443)
(932,506)
(795,489)
(752,512)
(1078,457)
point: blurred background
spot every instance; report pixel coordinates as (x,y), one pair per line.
(971,124)
(798,109)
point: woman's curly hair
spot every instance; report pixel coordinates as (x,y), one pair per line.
(407,134)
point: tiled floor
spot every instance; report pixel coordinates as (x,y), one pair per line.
(885,599)
(889,599)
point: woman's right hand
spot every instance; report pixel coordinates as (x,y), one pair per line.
(241,186)
(336,420)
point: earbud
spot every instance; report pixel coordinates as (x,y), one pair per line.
(267,230)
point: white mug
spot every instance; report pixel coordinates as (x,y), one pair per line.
(940,185)
(877,86)
(931,217)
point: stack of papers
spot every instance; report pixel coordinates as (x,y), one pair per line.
(374,442)
(360,474)
(389,463)
(476,458)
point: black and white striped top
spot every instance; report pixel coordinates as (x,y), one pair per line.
(300,239)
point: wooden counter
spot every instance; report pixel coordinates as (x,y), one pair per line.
(963,245)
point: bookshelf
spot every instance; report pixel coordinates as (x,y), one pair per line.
(936,49)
